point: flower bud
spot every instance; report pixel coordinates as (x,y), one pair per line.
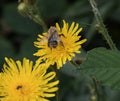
(22,9)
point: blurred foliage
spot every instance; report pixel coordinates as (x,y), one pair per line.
(17,22)
(17,34)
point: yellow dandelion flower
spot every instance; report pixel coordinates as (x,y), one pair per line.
(59,45)
(26,82)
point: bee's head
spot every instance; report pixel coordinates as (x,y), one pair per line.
(52,30)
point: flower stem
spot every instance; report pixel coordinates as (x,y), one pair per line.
(34,14)
(53,68)
(96,89)
(30,10)
(100,25)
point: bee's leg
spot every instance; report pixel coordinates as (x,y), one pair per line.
(61,35)
(61,43)
(60,40)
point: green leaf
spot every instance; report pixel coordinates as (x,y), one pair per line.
(104,65)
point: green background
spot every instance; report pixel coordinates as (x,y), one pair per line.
(17,34)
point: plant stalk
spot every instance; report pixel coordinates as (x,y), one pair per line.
(34,14)
(100,25)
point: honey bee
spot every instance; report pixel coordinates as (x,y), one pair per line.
(53,38)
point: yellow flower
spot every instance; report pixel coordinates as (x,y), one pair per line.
(68,44)
(26,82)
